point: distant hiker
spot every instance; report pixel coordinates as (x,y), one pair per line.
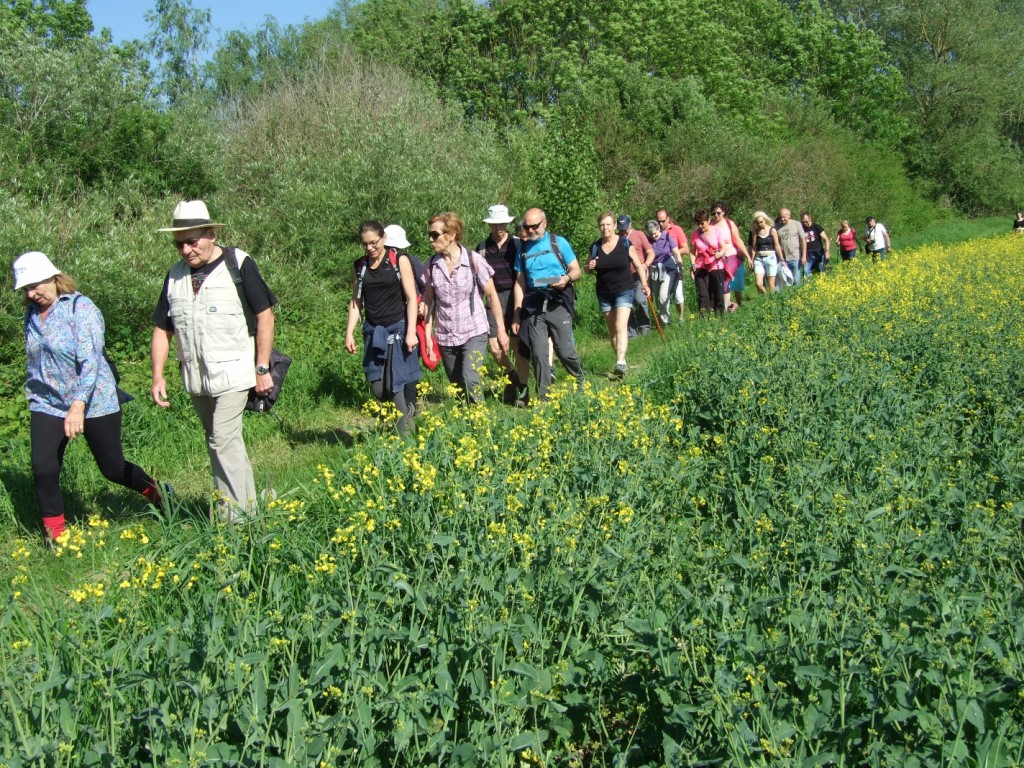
(736,255)
(663,274)
(640,320)
(611,257)
(202,305)
(667,224)
(458,280)
(545,301)
(70,387)
(1018,223)
(708,259)
(846,240)
(500,250)
(794,247)
(876,239)
(767,251)
(818,245)
(385,293)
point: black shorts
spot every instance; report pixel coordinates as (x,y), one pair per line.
(505,302)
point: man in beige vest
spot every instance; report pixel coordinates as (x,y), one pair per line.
(220,361)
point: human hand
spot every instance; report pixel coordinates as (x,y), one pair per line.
(411,340)
(74,422)
(350,344)
(158,391)
(264,383)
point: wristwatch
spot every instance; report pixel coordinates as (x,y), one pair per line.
(262,370)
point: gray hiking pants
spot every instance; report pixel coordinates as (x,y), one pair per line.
(462,364)
(552,319)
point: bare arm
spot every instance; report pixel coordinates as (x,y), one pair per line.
(411,306)
(264,345)
(159,349)
(777,244)
(499,322)
(641,270)
(518,291)
(354,308)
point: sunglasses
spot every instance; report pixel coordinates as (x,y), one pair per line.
(717,213)
(434,235)
(191,242)
(532,227)
(662,221)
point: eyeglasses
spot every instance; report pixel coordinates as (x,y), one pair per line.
(718,213)
(373,244)
(532,227)
(191,242)
(434,235)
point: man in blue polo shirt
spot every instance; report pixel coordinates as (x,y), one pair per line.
(544,299)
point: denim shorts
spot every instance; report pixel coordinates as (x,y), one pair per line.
(766,264)
(609,301)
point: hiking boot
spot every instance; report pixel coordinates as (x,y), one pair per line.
(619,371)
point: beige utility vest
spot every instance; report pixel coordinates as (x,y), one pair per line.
(215,350)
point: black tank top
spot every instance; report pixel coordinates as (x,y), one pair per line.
(764,243)
(383,300)
(613,275)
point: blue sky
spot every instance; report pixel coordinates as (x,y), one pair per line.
(125,18)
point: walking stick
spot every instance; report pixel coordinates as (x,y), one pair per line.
(654,314)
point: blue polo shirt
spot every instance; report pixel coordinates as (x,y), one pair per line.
(537,260)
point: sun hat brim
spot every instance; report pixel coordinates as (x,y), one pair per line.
(184,225)
(499,220)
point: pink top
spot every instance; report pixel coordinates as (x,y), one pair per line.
(677,232)
(847,240)
(704,246)
(461,313)
(732,259)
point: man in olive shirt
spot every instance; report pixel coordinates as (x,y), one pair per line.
(794,247)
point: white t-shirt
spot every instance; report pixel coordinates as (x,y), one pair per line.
(876,237)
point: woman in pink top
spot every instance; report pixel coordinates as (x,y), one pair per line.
(735,252)
(708,263)
(847,237)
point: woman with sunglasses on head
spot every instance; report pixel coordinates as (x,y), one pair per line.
(458,280)
(734,249)
(385,293)
(70,387)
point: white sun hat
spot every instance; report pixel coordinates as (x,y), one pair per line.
(190,214)
(394,236)
(31,268)
(498,214)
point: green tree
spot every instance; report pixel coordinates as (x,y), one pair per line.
(58,22)
(178,37)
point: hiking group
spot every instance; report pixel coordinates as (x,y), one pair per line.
(512,297)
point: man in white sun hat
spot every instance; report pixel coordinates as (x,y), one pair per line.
(500,250)
(221,358)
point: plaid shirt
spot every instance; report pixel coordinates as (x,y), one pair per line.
(459,305)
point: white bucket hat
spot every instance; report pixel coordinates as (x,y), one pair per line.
(498,214)
(190,214)
(31,268)
(394,236)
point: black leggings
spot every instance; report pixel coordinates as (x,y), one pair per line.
(102,434)
(710,290)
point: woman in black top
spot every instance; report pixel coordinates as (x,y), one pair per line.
(385,290)
(1018,223)
(610,258)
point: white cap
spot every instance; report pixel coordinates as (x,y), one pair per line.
(31,268)
(498,214)
(394,236)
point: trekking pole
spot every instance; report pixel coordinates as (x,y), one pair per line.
(654,314)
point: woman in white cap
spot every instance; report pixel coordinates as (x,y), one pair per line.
(70,386)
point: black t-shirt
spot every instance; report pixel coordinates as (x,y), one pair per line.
(613,275)
(502,260)
(812,235)
(1018,224)
(383,300)
(256,291)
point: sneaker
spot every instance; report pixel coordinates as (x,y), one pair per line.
(522,398)
(619,371)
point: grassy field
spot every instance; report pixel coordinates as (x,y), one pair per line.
(792,536)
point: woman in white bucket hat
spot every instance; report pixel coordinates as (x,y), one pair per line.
(70,387)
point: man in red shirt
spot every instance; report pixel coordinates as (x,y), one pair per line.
(677,233)
(640,319)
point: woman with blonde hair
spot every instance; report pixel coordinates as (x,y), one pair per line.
(457,282)
(70,387)
(764,241)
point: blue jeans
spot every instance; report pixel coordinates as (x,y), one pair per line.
(879,254)
(795,268)
(815,263)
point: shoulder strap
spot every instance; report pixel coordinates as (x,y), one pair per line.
(558,251)
(231,260)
